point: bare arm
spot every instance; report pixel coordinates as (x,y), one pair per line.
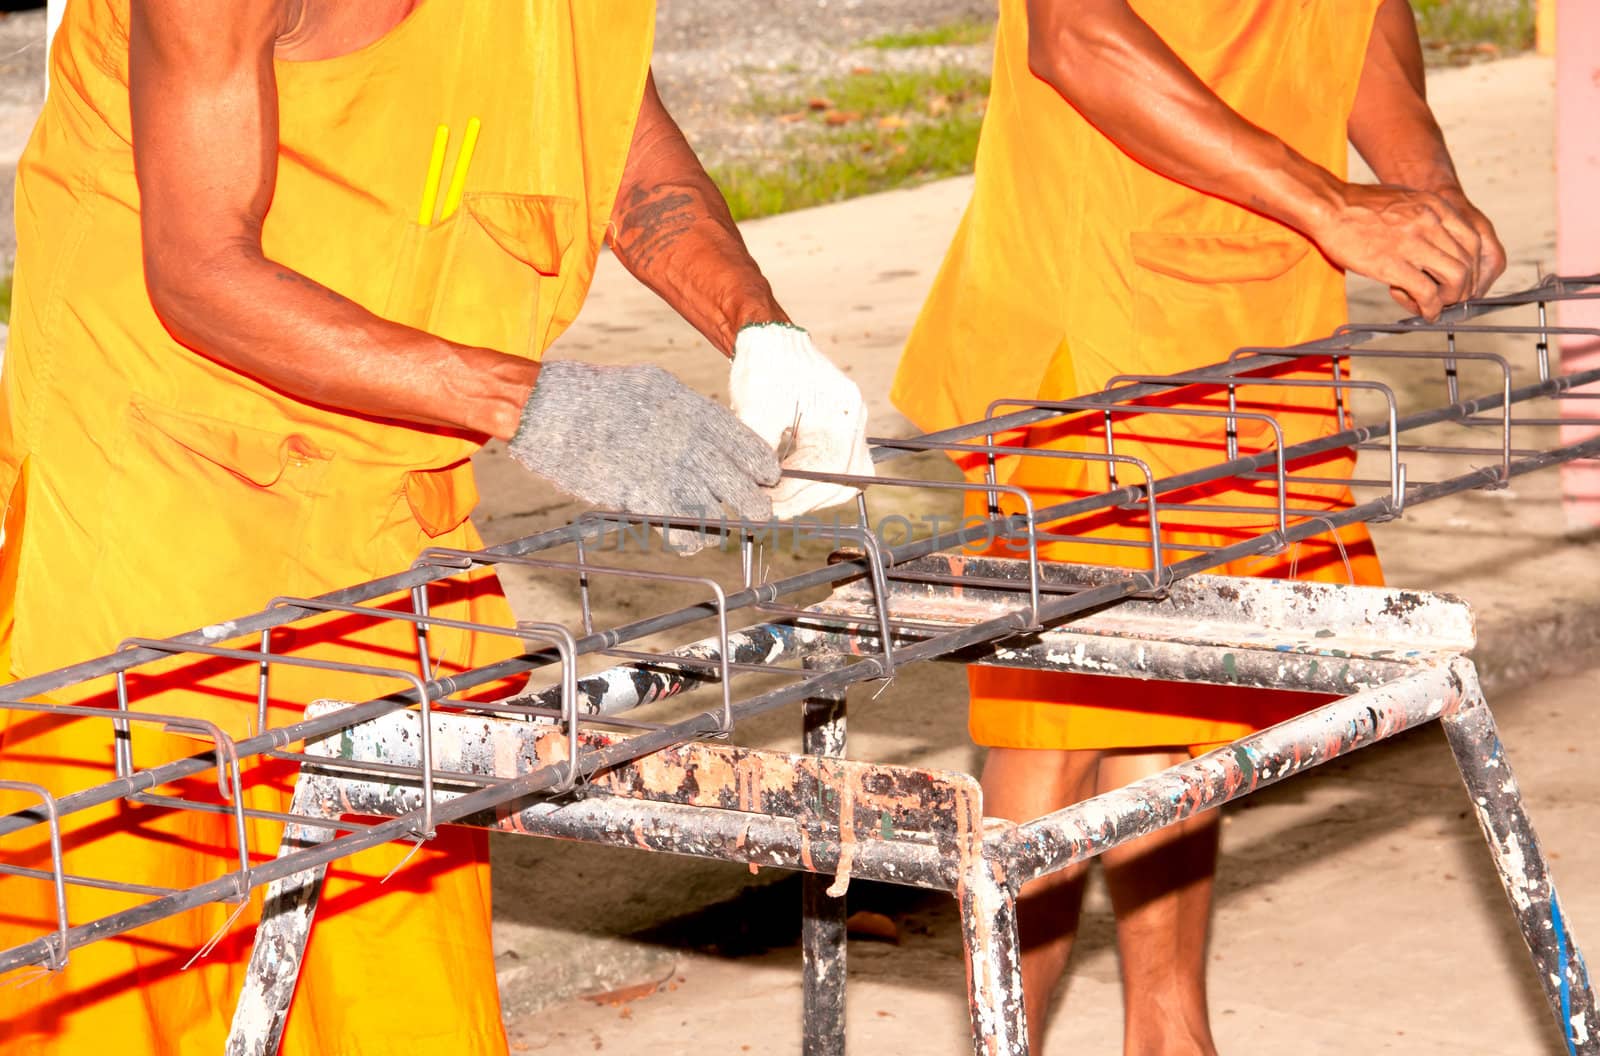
(1116,71)
(205,137)
(1395,131)
(671,228)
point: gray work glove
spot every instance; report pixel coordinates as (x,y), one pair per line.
(638,439)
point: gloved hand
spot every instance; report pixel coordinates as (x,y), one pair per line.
(781,384)
(640,440)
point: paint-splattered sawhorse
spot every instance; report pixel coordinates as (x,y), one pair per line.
(1397,659)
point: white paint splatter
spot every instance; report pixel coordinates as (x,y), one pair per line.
(1513,867)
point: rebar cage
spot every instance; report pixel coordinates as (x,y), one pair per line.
(1481,395)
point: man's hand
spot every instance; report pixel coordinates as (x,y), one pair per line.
(1393,128)
(672,229)
(1491,254)
(638,439)
(1417,233)
(1413,241)
(796,400)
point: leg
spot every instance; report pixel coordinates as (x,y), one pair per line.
(1021,784)
(822,924)
(1000,1024)
(1520,862)
(1160,888)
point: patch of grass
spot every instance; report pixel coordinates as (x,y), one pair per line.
(860,134)
(5,300)
(962,31)
(886,92)
(859,162)
(877,93)
(1457,28)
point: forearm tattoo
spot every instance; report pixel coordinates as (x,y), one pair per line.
(653,222)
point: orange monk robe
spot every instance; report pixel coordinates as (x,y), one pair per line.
(150,490)
(1075,264)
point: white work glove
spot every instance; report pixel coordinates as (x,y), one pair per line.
(794,398)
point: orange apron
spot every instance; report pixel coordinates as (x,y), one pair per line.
(1075,264)
(150,491)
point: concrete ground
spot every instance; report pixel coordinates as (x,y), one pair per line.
(1357,909)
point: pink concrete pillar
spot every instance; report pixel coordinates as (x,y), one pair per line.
(1578,226)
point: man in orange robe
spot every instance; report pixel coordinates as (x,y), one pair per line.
(250,357)
(1158,183)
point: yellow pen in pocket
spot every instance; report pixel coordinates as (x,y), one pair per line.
(430,189)
(458,175)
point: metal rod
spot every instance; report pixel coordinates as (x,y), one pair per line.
(1520,861)
(823,945)
(1086,829)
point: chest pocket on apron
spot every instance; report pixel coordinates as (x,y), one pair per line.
(474,277)
(1197,297)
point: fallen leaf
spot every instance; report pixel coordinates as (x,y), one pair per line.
(862,71)
(890,122)
(623,994)
(841,117)
(939,104)
(819,103)
(791,118)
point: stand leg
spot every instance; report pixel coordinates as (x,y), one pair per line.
(822,928)
(289,906)
(1521,865)
(994,962)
